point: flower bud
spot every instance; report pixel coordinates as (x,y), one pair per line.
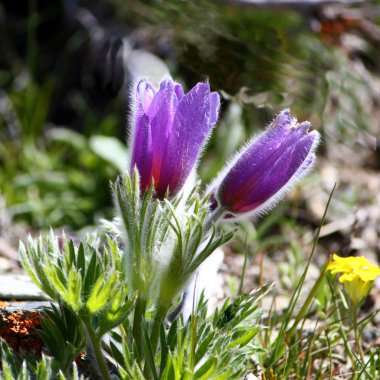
(265,169)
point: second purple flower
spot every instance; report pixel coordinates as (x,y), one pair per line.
(264,170)
(168,132)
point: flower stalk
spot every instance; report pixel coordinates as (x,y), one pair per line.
(161,313)
(138,318)
(355,326)
(213,218)
(95,342)
(159,317)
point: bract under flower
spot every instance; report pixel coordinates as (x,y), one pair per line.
(168,132)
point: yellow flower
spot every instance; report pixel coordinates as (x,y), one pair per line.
(357,275)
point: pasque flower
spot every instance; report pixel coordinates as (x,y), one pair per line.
(168,132)
(266,167)
(357,275)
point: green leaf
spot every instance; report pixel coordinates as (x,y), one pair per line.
(149,354)
(44,369)
(57,279)
(92,273)
(136,373)
(100,295)
(72,255)
(172,335)
(223,376)
(187,375)
(62,332)
(74,289)
(23,375)
(26,262)
(52,337)
(116,353)
(212,244)
(164,349)
(6,353)
(7,373)
(205,372)
(114,318)
(81,260)
(204,346)
(110,149)
(245,339)
(169,371)
(69,137)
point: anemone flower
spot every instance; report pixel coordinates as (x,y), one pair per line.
(168,132)
(262,172)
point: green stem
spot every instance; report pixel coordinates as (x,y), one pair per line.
(158,319)
(357,334)
(96,346)
(193,342)
(306,305)
(213,218)
(244,265)
(279,347)
(137,331)
(342,331)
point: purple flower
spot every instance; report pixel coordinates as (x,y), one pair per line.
(169,130)
(261,173)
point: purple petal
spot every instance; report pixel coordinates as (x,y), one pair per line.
(260,155)
(267,165)
(170,129)
(161,113)
(215,105)
(267,180)
(142,151)
(179,91)
(145,95)
(283,120)
(191,125)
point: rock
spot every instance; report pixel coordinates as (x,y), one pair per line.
(19,324)
(19,287)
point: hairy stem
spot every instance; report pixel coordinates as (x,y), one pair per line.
(137,324)
(97,350)
(158,319)
(244,265)
(213,218)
